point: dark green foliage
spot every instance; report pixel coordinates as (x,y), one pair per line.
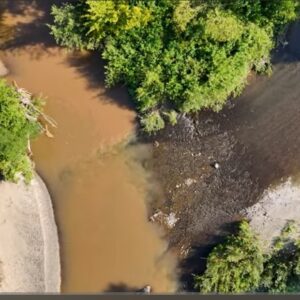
(183,55)
(234,266)
(264,12)
(281,270)
(15,131)
(282,265)
(240,266)
(68,30)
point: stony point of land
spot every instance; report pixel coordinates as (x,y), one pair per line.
(29,248)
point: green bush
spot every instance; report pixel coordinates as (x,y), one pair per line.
(234,266)
(282,265)
(182,55)
(68,30)
(15,131)
(171,117)
(152,122)
(239,265)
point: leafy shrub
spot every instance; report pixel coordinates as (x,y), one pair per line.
(152,122)
(172,117)
(234,266)
(239,266)
(15,131)
(183,55)
(222,26)
(68,30)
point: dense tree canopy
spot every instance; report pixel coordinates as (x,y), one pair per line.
(15,131)
(239,265)
(234,266)
(182,55)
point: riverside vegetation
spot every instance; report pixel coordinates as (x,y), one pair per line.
(239,265)
(18,124)
(175,56)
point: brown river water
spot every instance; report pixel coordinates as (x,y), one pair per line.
(99,189)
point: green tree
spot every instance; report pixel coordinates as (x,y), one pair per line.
(234,266)
(239,265)
(68,30)
(16,129)
(109,17)
(176,55)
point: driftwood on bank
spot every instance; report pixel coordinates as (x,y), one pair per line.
(34,114)
(31,111)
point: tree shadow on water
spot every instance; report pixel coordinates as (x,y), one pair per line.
(288,50)
(91,66)
(30,29)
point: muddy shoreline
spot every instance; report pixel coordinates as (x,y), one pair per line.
(255,139)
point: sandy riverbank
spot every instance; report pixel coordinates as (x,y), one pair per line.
(29,248)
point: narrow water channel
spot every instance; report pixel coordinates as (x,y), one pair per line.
(99,190)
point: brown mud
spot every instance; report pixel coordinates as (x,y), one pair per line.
(256,141)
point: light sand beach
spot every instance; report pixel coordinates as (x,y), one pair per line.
(29,248)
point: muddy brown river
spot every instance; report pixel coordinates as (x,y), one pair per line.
(98,187)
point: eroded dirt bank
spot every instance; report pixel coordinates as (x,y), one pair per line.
(255,139)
